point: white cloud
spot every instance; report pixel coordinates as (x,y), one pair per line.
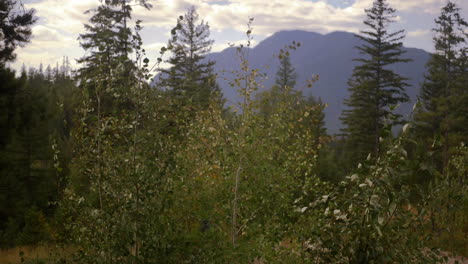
(64,15)
(419,33)
(44,35)
(270,16)
(426,6)
(61,21)
(217,47)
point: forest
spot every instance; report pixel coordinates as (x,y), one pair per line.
(139,158)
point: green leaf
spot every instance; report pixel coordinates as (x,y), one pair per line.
(381,219)
(379,231)
(405,127)
(374,200)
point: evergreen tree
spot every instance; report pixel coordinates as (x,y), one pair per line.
(308,109)
(284,85)
(27,174)
(190,76)
(17,192)
(286,74)
(103,41)
(374,88)
(15,28)
(8,90)
(317,120)
(48,73)
(443,113)
(107,73)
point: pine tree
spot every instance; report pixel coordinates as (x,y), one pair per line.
(286,74)
(103,40)
(443,94)
(15,163)
(107,72)
(190,76)
(48,73)
(284,83)
(107,77)
(15,28)
(374,88)
(308,109)
(317,123)
(116,133)
(26,158)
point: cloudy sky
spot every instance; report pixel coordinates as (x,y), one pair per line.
(61,21)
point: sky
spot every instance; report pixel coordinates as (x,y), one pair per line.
(61,21)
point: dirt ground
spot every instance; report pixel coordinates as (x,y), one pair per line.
(461,260)
(12,256)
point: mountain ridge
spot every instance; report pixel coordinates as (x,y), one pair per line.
(330,56)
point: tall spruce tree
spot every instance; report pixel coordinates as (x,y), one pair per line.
(190,76)
(107,73)
(15,28)
(374,88)
(285,82)
(283,91)
(114,132)
(27,176)
(286,74)
(443,114)
(15,194)
(317,122)
(106,41)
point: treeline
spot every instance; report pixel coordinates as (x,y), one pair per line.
(36,117)
(116,171)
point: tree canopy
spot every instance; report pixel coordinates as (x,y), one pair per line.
(375,89)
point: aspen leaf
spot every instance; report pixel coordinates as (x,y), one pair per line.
(405,127)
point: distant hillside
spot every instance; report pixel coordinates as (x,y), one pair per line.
(330,56)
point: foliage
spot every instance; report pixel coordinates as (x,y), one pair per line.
(367,218)
(190,76)
(151,175)
(448,205)
(286,74)
(115,210)
(442,112)
(169,185)
(34,120)
(374,88)
(15,28)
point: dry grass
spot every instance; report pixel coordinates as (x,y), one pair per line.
(47,252)
(31,254)
(453,260)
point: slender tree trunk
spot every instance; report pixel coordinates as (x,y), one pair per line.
(124,10)
(98,99)
(377,106)
(234,205)
(446,152)
(137,186)
(446,94)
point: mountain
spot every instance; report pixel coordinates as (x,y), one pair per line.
(330,56)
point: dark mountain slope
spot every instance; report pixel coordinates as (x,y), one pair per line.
(330,56)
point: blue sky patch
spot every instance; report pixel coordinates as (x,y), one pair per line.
(338,3)
(220,2)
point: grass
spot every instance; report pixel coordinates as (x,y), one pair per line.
(32,254)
